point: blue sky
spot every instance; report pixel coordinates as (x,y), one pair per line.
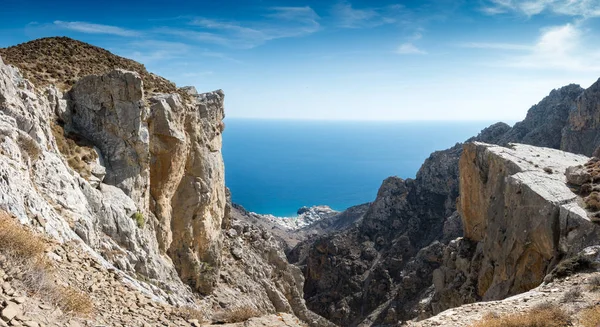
(376,60)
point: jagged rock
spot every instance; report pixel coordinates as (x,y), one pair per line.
(582,131)
(108,110)
(545,121)
(578,175)
(506,198)
(11,311)
(187,183)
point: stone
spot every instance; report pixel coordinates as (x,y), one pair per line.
(507,198)
(10,311)
(578,175)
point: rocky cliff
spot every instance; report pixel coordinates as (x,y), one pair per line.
(382,270)
(134,178)
(520,218)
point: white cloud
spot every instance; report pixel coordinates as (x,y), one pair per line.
(347,16)
(280,22)
(579,8)
(496,46)
(409,48)
(560,48)
(91,28)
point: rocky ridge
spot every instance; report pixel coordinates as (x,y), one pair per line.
(381,271)
(135,181)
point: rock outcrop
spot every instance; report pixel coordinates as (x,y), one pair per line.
(520,218)
(582,132)
(134,182)
(410,216)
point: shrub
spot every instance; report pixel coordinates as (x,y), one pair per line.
(139,219)
(570,266)
(594,283)
(572,295)
(548,170)
(190,313)
(238,314)
(544,316)
(590,317)
(17,241)
(24,251)
(71,300)
(592,201)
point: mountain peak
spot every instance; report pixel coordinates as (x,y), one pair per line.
(62,61)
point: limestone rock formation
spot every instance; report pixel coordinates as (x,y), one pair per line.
(520,218)
(582,132)
(546,120)
(133,181)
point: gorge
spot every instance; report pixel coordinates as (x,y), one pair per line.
(119,174)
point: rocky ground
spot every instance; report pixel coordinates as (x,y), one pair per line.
(572,294)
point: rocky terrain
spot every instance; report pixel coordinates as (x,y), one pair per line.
(114,212)
(381,271)
(132,180)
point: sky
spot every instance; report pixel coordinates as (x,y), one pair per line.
(341,60)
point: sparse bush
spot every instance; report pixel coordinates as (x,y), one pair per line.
(548,170)
(590,317)
(78,151)
(545,316)
(17,241)
(139,219)
(24,251)
(570,266)
(189,313)
(572,295)
(592,201)
(238,314)
(71,300)
(594,283)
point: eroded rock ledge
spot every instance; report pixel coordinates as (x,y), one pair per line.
(520,218)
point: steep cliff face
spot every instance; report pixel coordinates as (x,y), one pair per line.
(111,214)
(382,270)
(520,218)
(582,132)
(376,272)
(545,121)
(136,181)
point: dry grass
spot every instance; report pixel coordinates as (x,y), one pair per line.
(190,313)
(78,151)
(545,316)
(238,314)
(72,300)
(63,61)
(572,295)
(590,317)
(17,241)
(24,253)
(592,201)
(594,284)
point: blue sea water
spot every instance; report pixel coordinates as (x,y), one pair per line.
(277,166)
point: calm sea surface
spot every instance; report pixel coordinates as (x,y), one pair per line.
(278,166)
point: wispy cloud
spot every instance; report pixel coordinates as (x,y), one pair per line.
(562,48)
(497,46)
(91,28)
(409,49)
(279,22)
(347,16)
(579,8)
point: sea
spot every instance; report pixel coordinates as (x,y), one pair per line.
(277,166)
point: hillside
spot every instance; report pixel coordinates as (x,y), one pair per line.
(62,61)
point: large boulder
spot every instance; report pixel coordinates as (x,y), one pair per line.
(520,218)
